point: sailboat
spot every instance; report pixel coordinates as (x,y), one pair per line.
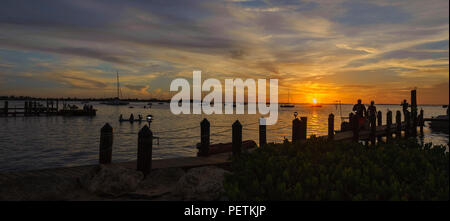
(117,100)
(289,101)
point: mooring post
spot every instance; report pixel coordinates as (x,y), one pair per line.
(57,105)
(6,108)
(398,123)
(237,138)
(355,127)
(388,124)
(296,130)
(204,137)
(106,142)
(413,115)
(373,128)
(25,108)
(379,118)
(262,132)
(303,127)
(379,123)
(144,153)
(408,123)
(331,127)
(421,122)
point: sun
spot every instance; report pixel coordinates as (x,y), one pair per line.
(314,100)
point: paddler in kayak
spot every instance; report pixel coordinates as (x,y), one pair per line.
(360,111)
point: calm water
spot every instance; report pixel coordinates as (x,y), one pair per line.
(45,142)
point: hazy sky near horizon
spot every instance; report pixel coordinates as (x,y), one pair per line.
(325,49)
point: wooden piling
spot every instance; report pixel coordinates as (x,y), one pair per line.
(331,127)
(413,100)
(398,122)
(5,109)
(408,123)
(144,154)
(414,119)
(379,123)
(303,127)
(237,138)
(421,121)
(373,128)
(379,118)
(106,142)
(262,132)
(355,127)
(296,130)
(388,125)
(205,137)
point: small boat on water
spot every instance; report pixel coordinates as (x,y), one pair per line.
(116,100)
(288,105)
(131,119)
(440,122)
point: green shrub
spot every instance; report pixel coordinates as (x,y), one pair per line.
(322,170)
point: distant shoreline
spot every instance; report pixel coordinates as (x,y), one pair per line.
(25,98)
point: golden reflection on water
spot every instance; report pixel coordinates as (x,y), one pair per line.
(63,141)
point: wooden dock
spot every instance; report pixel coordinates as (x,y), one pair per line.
(34,108)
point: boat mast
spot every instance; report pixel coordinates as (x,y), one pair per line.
(118,86)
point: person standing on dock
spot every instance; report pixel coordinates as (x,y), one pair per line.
(405,106)
(372,109)
(359,109)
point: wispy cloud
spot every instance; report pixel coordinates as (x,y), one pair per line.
(323,46)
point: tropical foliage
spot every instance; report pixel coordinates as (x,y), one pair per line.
(322,170)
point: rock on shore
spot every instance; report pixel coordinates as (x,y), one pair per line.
(111,180)
(202,183)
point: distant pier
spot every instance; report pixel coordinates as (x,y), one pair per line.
(51,108)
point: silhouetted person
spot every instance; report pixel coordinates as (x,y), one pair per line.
(120,117)
(405,106)
(359,108)
(372,110)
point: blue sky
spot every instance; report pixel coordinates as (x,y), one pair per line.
(326,49)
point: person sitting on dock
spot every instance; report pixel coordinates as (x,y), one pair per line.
(359,108)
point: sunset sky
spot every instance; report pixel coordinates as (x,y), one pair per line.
(330,50)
